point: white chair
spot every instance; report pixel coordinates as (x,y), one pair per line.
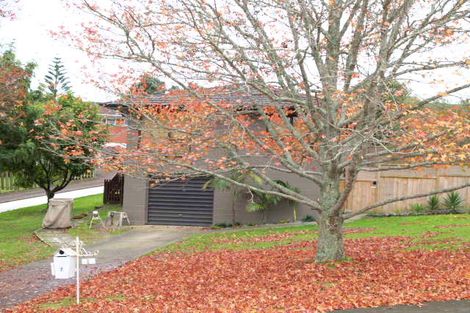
(95,217)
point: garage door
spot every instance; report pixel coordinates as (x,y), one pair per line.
(181,202)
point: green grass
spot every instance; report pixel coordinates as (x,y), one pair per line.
(68,302)
(18,245)
(428,231)
(64,303)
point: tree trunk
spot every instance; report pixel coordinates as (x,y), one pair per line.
(330,222)
(49,194)
(330,240)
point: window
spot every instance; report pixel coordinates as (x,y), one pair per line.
(115,120)
(110,121)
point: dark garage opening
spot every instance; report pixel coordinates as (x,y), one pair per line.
(181,202)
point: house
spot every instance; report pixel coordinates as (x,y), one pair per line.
(193,202)
(116,122)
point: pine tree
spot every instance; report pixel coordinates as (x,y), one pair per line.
(56,78)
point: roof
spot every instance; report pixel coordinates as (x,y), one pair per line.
(230,95)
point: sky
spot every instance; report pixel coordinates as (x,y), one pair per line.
(30,35)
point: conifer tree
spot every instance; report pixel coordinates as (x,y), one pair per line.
(56,78)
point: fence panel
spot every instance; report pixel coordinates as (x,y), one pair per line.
(114,190)
(365,193)
(7,181)
(391,184)
(392,187)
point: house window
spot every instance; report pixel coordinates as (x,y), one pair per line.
(115,121)
(110,121)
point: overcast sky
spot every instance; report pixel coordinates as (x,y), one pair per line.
(29,33)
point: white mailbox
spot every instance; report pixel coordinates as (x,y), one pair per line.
(64,264)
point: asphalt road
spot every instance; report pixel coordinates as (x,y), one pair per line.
(431,307)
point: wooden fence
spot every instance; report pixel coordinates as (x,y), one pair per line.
(114,190)
(7,181)
(373,187)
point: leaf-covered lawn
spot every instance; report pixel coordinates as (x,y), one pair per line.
(272,270)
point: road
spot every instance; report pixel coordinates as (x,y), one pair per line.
(18,204)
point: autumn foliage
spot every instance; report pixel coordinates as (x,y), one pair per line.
(14,82)
(180,130)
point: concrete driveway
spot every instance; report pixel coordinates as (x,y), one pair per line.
(32,280)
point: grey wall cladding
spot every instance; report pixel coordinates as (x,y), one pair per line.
(135,199)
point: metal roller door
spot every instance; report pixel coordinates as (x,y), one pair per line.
(181,202)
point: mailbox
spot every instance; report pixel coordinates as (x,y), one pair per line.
(64,264)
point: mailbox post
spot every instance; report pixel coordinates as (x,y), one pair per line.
(77,248)
(66,263)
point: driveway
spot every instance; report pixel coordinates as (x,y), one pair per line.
(29,281)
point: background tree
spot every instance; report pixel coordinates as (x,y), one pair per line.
(56,81)
(15,79)
(148,85)
(333,64)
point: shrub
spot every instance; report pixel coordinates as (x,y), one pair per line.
(308,218)
(453,202)
(434,203)
(418,208)
(222,225)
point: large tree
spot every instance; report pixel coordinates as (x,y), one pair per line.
(31,122)
(329,71)
(35,153)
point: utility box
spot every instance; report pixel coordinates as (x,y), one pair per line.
(64,264)
(59,214)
